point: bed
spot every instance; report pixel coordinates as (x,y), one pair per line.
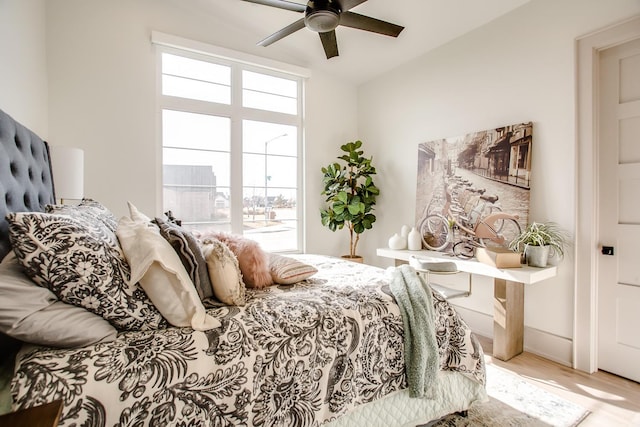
(345,346)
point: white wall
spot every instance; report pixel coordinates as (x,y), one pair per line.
(23,72)
(102,70)
(330,122)
(517,68)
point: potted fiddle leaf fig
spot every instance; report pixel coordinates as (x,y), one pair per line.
(539,241)
(350,195)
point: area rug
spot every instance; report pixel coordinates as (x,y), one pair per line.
(515,402)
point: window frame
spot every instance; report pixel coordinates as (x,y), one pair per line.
(236,112)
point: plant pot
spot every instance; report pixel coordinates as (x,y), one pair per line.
(537,256)
(355,258)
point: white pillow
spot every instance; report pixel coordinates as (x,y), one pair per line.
(158,269)
(136,215)
(224,272)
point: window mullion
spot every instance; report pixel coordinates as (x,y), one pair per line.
(269,116)
(236,150)
(301,169)
(195,106)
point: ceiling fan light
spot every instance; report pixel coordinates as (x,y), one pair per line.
(322,21)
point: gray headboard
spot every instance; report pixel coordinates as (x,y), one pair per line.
(26,181)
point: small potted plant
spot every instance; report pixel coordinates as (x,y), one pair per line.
(539,241)
(350,195)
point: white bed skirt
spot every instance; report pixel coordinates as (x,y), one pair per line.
(397,409)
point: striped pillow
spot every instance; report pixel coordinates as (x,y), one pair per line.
(287,271)
(190,253)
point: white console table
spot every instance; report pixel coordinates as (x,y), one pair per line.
(508,294)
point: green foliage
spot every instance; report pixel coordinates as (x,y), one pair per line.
(541,234)
(350,194)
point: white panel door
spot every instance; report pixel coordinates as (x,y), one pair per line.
(619,210)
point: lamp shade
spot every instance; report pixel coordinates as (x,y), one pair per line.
(67,165)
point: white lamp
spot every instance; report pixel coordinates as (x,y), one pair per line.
(67,164)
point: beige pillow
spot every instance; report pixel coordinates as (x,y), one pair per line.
(33,314)
(224,272)
(158,269)
(286,270)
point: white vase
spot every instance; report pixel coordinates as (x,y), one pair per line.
(451,236)
(397,242)
(404,231)
(414,240)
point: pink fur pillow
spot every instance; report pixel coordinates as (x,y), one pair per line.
(253,261)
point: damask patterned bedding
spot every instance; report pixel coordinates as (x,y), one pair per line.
(293,355)
(328,350)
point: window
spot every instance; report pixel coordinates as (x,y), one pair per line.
(231,147)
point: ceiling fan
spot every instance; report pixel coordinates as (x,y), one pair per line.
(322,17)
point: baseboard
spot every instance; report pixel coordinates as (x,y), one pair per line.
(541,343)
(549,346)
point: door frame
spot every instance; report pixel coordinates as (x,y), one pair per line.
(585,324)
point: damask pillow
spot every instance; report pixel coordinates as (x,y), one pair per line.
(88,209)
(76,258)
(34,314)
(188,249)
(286,270)
(224,272)
(161,274)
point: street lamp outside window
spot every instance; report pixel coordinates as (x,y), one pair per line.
(266,175)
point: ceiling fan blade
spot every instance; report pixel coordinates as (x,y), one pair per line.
(280,34)
(361,22)
(349,4)
(281,4)
(329,43)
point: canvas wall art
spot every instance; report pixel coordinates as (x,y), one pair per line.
(474,185)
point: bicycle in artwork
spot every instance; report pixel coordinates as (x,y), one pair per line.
(466,220)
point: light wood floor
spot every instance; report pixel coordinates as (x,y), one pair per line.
(612,400)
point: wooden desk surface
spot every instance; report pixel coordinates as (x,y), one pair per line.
(524,274)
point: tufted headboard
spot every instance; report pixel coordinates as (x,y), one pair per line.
(26,181)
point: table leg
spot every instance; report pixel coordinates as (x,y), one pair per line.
(508,318)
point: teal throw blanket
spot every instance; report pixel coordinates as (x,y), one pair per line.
(421,349)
